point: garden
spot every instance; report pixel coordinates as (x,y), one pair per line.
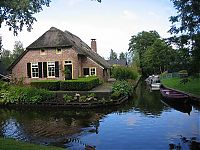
(56,92)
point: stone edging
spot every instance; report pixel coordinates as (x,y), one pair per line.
(72,104)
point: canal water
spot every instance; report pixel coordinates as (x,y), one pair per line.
(143,122)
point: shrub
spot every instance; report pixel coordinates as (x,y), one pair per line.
(115,95)
(15,94)
(91,95)
(3,85)
(67,98)
(123,87)
(52,85)
(81,84)
(83,98)
(123,73)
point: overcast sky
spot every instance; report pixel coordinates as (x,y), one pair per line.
(111,22)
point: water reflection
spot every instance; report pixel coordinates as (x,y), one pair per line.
(143,122)
(182,107)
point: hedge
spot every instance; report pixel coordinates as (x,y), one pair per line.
(80,84)
(53,85)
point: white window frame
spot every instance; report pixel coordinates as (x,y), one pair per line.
(93,71)
(34,74)
(58,52)
(50,64)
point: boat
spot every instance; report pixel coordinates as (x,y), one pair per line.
(155,85)
(173,95)
(154,82)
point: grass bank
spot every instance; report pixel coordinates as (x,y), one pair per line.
(192,87)
(11,144)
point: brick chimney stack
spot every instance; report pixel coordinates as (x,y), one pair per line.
(94,45)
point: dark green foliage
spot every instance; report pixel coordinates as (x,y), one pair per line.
(122,55)
(81,84)
(113,55)
(83,98)
(139,44)
(16,94)
(185,27)
(53,85)
(115,95)
(18,49)
(17,14)
(123,88)
(67,98)
(12,144)
(123,73)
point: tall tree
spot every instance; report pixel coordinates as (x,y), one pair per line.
(19,13)
(186,25)
(6,60)
(158,57)
(113,55)
(18,49)
(122,55)
(139,44)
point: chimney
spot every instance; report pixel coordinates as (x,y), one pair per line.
(94,45)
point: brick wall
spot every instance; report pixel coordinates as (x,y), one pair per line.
(19,71)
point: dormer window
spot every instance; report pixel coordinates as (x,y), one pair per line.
(58,51)
(42,52)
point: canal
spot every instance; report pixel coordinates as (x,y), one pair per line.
(143,122)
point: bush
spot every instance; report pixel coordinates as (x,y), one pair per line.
(3,85)
(91,95)
(115,95)
(123,88)
(53,85)
(81,84)
(123,73)
(15,94)
(83,98)
(67,98)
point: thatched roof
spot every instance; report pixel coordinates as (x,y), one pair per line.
(55,38)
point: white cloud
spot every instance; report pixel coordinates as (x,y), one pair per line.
(129,15)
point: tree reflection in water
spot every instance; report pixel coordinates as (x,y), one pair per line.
(49,127)
(79,128)
(185,143)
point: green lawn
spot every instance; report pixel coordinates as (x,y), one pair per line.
(11,144)
(192,87)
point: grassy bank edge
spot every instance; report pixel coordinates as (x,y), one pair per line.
(11,144)
(192,87)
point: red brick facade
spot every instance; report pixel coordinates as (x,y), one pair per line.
(79,62)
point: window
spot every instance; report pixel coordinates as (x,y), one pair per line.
(42,52)
(93,71)
(51,69)
(86,71)
(89,71)
(58,51)
(35,70)
(68,62)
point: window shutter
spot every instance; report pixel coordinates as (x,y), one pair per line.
(29,70)
(44,69)
(56,69)
(40,69)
